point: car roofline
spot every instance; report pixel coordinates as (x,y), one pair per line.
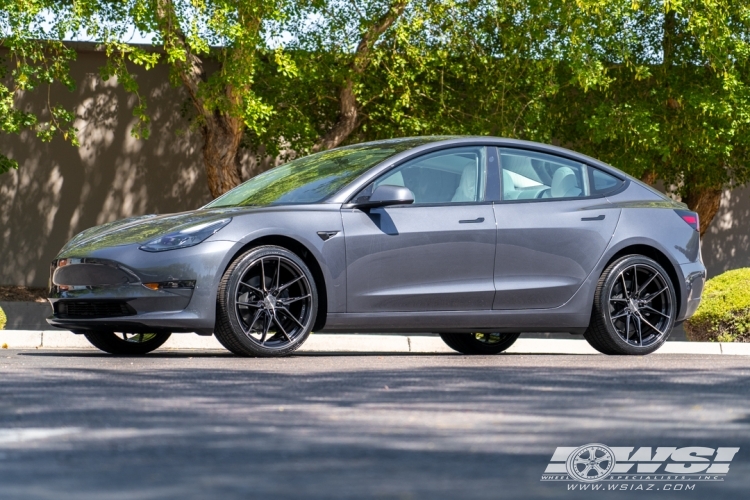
(348,191)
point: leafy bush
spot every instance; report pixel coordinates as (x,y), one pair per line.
(3,319)
(724,313)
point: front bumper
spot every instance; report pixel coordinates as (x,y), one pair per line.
(106,291)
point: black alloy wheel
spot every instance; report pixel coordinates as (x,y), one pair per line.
(634,307)
(127,343)
(479,343)
(267,303)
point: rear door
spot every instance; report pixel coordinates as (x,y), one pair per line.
(435,255)
(553,226)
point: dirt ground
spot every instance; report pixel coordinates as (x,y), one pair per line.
(22,294)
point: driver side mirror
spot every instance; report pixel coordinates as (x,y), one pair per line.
(384,196)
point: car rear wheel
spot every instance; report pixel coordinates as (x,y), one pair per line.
(267,303)
(634,307)
(127,343)
(479,343)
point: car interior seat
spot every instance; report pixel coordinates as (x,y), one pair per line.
(467,186)
(565,184)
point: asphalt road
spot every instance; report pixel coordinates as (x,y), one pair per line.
(83,425)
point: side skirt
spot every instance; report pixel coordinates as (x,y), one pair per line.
(458,322)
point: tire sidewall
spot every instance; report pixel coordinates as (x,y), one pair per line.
(230,292)
(603,298)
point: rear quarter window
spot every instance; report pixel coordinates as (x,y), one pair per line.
(603,183)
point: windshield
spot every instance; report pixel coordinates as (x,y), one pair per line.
(313,178)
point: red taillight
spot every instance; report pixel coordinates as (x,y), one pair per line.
(691,218)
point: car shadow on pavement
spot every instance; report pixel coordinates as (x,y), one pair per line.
(211,425)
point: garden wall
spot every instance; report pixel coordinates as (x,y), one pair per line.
(61,190)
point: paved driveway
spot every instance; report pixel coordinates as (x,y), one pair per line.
(81,425)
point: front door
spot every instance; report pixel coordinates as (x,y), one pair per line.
(435,255)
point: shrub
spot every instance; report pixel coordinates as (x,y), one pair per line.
(3,319)
(724,313)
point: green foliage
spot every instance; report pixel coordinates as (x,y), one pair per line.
(3,319)
(35,58)
(658,89)
(724,313)
(676,105)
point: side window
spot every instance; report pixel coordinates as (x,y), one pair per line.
(450,176)
(530,175)
(603,183)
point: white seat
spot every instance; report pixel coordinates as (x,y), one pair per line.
(565,184)
(467,186)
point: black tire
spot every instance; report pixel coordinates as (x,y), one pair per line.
(130,344)
(621,303)
(286,299)
(479,343)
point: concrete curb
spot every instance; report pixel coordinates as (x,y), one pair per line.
(343,343)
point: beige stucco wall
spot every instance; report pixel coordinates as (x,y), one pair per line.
(61,190)
(726,244)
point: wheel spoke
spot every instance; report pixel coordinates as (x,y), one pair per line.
(624,285)
(255,320)
(250,304)
(635,281)
(251,287)
(627,329)
(655,294)
(276,320)
(617,299)
(284,287)
(624,312)
(266,326)
(652,278)
(640,333)
(651,326)
(278,272)
(655,311)
(263,275)
(289,315)
(292,300)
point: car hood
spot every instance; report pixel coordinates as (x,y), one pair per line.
(139,230)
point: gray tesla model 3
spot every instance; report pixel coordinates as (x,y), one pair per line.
(476,239)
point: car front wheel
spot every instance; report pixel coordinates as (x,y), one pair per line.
(267,303)
(634,307)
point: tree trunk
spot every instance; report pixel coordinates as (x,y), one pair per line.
(349,113)
(346,123)
(221,144)
(705,202)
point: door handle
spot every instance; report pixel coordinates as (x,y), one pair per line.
(471,221)
(598,217)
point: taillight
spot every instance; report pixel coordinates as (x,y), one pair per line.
(691,218)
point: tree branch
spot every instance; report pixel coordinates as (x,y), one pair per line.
(349,114)
(190,70)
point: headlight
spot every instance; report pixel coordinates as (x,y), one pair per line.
(183,238)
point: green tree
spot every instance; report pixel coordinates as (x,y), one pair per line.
(192,35)
(658,88)
(672,97)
